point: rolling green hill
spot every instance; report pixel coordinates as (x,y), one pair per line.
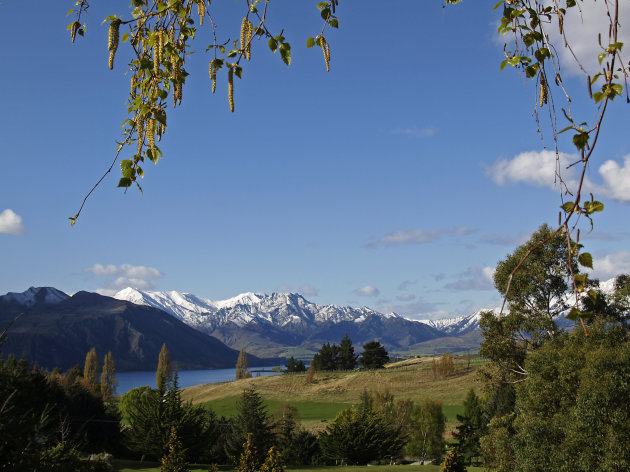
(318,402)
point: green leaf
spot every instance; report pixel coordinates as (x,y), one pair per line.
(594,206)
(568,207)
(601,56)
(580,140)
(574,314)
(124,182)
(498,5)
(125,37)
(334,22)
(586,259)
(273,44)
(310,42)
(285,52)
(580,282)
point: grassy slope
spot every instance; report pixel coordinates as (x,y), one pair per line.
(330,392)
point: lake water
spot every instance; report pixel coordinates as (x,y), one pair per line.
(187,378)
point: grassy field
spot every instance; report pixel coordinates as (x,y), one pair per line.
(132,466)
(318,402)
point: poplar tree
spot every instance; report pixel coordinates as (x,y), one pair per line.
(108,377)
(90,370)
(241,366)
(164,372)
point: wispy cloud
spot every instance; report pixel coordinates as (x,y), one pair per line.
(419,309)
(417,236)
(612,265)
(125,275)
(404,285)
(505,239)
(11,222)
(416,132)
(475,278)
(406,297)
(309,290)
(367,291)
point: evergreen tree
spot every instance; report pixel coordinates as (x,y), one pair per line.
(290,365)
(174,460)
(346,359)
(358,436)
(108,377)
(251,418)
(241,366)
(453,462)
(326,358)
(90,371)
(249,459)
(374,356)
(472,426)
(164,373)
(273,462)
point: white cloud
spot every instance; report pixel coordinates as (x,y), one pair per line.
(367,291)
(616,179)
(535,168)
(126,275)
(582,25)
(612,265)
(309,290)
(475,278)
(11,222)
(417,236)
(415,132)
(405,284)
(406,297)
(539,168)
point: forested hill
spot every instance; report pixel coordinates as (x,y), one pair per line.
(54,333)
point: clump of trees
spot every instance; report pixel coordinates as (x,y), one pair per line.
(294,366)
(333,357)
(555,392)
(374,356)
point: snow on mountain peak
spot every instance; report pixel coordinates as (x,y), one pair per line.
(28,298)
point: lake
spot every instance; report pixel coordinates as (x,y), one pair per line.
(187,378)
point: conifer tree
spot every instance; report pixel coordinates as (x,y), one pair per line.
(248,460)
(108,377)
(273,462)
(90,370)
(241,366)
(164,372)
(175,460)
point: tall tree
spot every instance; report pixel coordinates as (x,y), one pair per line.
(90,370)
(164,373)
(472,426)
(241,366)
(374,356)
(108,377)
(251,418)
(427,437)
(326,358)
(346,360)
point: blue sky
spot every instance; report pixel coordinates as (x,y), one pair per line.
(397,180)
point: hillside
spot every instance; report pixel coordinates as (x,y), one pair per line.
(332,391)
(57,332)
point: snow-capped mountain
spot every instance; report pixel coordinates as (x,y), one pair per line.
(458,325)
(33,296)
(265,324)
(277,309)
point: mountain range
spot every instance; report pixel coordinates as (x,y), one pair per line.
(283,324)
(57,330)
